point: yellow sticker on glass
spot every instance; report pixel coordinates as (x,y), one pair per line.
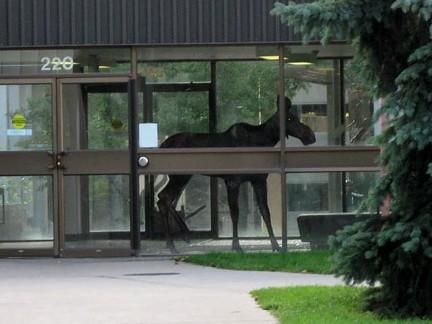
(19,121)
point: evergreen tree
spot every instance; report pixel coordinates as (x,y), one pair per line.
(394,50)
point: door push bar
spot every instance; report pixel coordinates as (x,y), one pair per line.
(57,160)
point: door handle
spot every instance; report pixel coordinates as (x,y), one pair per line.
(57,160)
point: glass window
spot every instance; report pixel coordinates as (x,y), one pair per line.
(335,193)
(65,61)
(177,112)
(97,212)
(26,117)
(178,96)
(246,92)
(315,88)
(201,204)
(359,108)
(95,116)
(26,212)
(178,72)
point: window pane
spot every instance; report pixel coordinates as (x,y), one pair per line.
(325,195)
(201,204)
(97,211)
(358,110)
(246,92)
(175,72)
(26,212)
(177,112)
(95,117)
(65,61)
(314,87)
(26,117)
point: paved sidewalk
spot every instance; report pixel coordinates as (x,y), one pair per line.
(134,291)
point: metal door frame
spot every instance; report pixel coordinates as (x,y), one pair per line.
(81,165)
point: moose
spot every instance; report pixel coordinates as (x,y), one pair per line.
(238,135)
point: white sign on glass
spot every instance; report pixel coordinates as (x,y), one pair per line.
(19,132)
(148,135)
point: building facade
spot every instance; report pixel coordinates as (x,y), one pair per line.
(89,89)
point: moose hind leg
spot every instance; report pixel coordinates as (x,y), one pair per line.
(233,196)
(260,189)
(168,198)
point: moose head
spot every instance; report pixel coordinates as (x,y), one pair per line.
(294,127)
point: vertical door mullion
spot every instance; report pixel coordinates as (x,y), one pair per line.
(133,89)
(282,125)
(60,201)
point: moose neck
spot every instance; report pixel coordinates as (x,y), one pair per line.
(271,128)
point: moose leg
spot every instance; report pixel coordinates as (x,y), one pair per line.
(260,189)
(233,195)
(168,198)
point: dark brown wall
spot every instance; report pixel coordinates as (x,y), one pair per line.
(48,23)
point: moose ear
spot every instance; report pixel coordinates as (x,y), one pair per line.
(288,103)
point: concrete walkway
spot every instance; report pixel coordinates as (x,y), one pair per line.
(134,291)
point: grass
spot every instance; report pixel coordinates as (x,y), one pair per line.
(300,305)
(307,262)
(314,304)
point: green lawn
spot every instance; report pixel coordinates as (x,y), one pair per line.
(308,262)
(309,304)
(312,304)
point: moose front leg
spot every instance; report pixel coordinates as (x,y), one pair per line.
(233,195)
(260,189)
(163,212)
(168,198)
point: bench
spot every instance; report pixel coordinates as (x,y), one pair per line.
(317,227)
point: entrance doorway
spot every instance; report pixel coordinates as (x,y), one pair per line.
(66,184)
(65,167)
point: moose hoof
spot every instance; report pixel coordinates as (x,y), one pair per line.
(186,238)
(172,248)
(236,247)
(276,248)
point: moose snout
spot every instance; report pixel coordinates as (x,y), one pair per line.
(309,138)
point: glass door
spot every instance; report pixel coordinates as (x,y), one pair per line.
(94,172)
(28,174)
(177,108)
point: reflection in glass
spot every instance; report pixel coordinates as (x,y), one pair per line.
(251,223)
(177,112)
(175,72)
(317,193)
(97,211)
(26,117)
(26,212)
(193,204)
(317,100)
(65,61)
(209,223)
(359,107)
(95,117)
